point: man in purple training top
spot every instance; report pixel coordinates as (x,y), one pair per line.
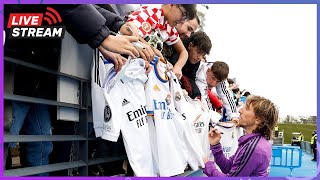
(252,158)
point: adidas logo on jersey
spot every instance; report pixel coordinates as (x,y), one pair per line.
(125,102)
(156,88)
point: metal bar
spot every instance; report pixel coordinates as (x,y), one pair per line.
(81,94)
(27,99)
(300,158)
(33,66)
(291,162)
(92,138)
(83,153)
(37,138)
(188,173)
(83,146)
(286,157)
(6,153)
(105,160)
(42,169)
(83,127)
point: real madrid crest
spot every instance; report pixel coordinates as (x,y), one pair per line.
(168,99)
(177,96)
(107,113)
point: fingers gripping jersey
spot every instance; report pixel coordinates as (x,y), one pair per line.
(168,147)
(125,92)
(194,152)
(102,106)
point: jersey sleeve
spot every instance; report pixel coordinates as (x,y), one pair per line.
(227,98)
(112,115)
(97,71)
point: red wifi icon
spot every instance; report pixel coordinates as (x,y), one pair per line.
(52,15)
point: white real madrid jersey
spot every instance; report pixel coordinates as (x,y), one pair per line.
(201,128)
(168,147)
(134,125)
(185,111)
(125,110)
(229,138)
(102,106)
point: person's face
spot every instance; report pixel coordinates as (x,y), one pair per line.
(195,55)
(187,28)
(211,79)
(247,119)
(238,95)
(177,15)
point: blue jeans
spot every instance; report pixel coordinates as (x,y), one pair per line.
(32,119)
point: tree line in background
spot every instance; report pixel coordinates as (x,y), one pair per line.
(299,119)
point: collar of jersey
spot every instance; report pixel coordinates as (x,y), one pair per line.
(154,63)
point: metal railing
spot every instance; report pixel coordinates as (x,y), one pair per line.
(81,137)
(286,157)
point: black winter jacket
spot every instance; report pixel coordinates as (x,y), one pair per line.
(89,24)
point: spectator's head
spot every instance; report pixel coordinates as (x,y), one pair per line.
(236,90)
(231,82)
(217,73)
(179,13)
(246,94)
(237,95)
(199,46)
(187,28)
(314,132)
(259,115)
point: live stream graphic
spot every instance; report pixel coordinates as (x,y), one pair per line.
(36,25)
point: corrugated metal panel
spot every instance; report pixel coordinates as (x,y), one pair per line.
(13,97)
(35,138)
(42,169)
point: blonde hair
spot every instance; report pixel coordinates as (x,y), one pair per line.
(266,111)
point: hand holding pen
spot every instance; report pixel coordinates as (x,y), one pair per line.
(214,136)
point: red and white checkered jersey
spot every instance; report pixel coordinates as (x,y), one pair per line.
(152,18)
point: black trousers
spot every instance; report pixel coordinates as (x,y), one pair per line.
(314,149)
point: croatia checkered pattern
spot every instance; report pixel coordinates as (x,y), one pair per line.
(150,18)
